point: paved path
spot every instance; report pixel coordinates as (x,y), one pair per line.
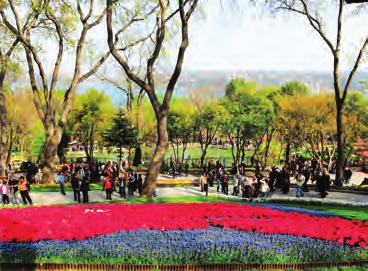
(49,198)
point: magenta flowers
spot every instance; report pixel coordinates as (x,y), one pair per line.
(82,221)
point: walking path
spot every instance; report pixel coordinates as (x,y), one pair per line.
(49,198)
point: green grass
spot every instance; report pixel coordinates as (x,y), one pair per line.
(351,268)
(360,213)
(195,152)
(56,188)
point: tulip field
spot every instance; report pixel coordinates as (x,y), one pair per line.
(179,233)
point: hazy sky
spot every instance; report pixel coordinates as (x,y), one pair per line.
(246,38)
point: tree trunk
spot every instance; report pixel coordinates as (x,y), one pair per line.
(287,152)
(158,156)
(340,145)
(268,144)
(3,127)
(204,152)
(10,146)
(185,145)
(53,137)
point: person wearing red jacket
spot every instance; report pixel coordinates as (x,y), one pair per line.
(108,187)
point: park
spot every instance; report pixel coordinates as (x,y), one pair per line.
(179,135)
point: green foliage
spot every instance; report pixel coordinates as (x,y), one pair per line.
(240,85)
(37,144)
(248,114)
(295,88)
(90,116)
(356,103)
(121,133)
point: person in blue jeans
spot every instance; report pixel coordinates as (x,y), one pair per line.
(61,180)
(300,179)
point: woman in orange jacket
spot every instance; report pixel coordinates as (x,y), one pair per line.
(23,188)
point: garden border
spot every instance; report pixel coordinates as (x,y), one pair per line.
(184,267)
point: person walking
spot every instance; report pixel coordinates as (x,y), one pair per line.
(140,183)
(85,188)
(60,178)
(237,181)
(264,188)
(225,182)
(108,187)
(131,184)
(5,191)
(324,183)
(123,185)
(300,179)
(13,191)
(24,190)
(76,188)
(204,183)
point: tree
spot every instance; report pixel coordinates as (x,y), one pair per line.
(308,123)
(272,93)
(295,88)
(121,134)
(240,85)
(245,122)
(179,131)
(310,11)
(59,21)
(356,119)
(164,12)
(143,118)
(207,123)
(91,118)
(8,44)
(22,121)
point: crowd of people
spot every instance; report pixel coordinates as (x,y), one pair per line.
(113,178)
(9,188)
(126,183)
(304,172)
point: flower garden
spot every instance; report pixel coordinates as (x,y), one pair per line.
(179,233)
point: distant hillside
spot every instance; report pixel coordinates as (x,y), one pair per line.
(216,81)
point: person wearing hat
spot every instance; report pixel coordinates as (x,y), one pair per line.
(24,192)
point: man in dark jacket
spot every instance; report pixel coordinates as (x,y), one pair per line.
(323,183)
(84,187)
(285,181)
(76,187)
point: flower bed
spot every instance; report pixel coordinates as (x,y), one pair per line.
(212,245)
(161,183)
(74,222)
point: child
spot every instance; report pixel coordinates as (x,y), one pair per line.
(5,191)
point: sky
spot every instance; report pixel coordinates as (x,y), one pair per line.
(250,38)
